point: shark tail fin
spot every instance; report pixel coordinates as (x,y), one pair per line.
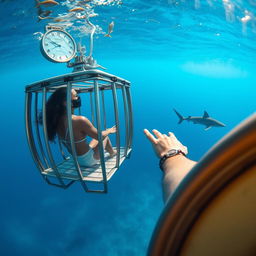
(179,115)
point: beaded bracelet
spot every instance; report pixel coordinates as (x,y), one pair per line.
(170,153)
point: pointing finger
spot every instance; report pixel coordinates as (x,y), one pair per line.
(185,150)
(158,134)
(150,136)
(171,134)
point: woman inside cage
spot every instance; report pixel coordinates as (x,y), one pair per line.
(57,125)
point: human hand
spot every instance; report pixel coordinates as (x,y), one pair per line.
(112,129)
(163,143)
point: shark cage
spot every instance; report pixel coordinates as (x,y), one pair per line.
(108,100)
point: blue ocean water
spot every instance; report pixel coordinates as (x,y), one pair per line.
(188,55)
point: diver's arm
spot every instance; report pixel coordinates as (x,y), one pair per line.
(176,167)
(88,129)
(174,170)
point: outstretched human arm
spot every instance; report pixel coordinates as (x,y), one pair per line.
(176,167)
(87,128)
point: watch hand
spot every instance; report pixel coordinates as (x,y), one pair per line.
(55,43)
(58,45)
(54,47)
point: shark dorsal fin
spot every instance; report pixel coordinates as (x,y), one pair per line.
(205,115)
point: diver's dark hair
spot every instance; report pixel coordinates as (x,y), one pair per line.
(55,109)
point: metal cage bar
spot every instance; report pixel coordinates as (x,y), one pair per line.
(48,149)
(82,76)
(61,149)
(38,132)
(129,99)
(103,109)
(115,101)
(29,133)
(100,142)
(71,136)
(126,120)
(92,108)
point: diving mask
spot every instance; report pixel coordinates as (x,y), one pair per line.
(76,103)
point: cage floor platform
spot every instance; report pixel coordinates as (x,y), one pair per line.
(67,169)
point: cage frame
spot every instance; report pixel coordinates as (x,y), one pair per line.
(94,82)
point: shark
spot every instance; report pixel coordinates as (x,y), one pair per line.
(204,120)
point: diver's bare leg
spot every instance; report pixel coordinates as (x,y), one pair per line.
(106,145)
(109,148)
(94,143)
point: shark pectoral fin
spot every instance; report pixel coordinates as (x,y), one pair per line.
(207,128)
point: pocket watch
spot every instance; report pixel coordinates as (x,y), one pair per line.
(57,45)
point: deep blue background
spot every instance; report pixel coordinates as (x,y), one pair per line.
(37,219)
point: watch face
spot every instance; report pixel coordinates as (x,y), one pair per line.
(172,152)
(58,46)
